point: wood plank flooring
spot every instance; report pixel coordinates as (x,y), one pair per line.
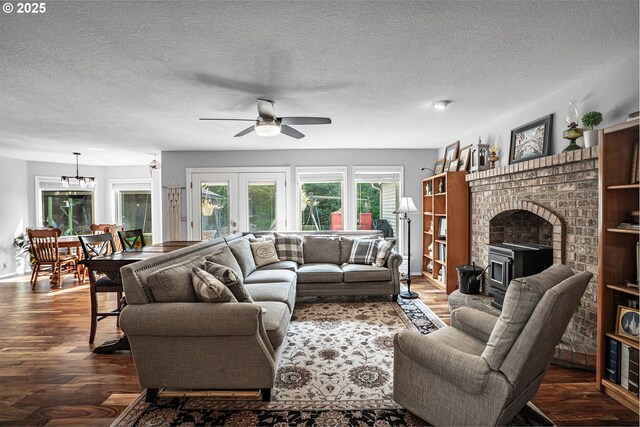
(49,376)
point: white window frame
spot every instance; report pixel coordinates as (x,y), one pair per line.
(189,172)
(346,193)
(133,184)
(39,180)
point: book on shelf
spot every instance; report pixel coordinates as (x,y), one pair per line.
(624,365)
(632,374)
(613,360)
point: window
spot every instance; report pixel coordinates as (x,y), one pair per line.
(321,198)
(377,193)
(131,201)
(69,209)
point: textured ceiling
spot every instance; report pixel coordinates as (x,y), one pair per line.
(134,77)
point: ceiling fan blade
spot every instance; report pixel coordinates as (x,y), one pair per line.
(265,109)
(235,120)
(305,120)
(246,131)
(288,130)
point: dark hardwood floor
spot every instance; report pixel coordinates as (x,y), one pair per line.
(49,376)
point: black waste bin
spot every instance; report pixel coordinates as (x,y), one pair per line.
(468,281)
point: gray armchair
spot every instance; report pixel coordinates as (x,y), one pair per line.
(483,369)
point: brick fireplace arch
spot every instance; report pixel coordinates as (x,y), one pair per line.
(506,209)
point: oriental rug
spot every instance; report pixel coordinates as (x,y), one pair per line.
(336,369)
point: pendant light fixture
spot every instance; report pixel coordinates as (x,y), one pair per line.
(83,181)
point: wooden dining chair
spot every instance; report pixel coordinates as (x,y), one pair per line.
(46,253)
(92,246)
(132,239)
(109,228)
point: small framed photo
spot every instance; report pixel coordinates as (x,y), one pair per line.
(442,228)
(451,152)
(439,167)
(463,158)
(531,141)
(453,165)
(627,322)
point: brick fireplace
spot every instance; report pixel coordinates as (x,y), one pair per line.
(551,201)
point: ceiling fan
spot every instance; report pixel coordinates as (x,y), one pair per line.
(267,124)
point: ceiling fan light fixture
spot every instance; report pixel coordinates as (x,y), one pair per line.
(268,128)
(441,105)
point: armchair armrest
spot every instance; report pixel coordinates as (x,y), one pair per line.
(191,319)
(466,371)
(473,322)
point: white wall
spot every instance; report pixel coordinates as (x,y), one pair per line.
(17,190)
(14,210)
(175,163)
(612,90)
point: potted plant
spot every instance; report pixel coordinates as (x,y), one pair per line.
(23,246)
(591,120)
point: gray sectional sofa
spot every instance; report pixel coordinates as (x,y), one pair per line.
(180,343)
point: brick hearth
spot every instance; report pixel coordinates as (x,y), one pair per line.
(563,190)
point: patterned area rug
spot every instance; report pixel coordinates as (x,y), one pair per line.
(335,370)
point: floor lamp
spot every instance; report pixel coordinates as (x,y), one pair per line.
(405,208)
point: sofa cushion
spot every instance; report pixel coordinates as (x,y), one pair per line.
(289,247)
(384,249)
(365,273)
(281,265)
(225,257)
(270,276)
(208,288)
(364,251)
(280,292)
(173,283)
(241,250)
(319,273)
(522,297)
(321,250)
(275,321)
(264,253)
(230,279)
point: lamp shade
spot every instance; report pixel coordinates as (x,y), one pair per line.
(406,206)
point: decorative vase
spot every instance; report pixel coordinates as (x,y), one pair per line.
(591,138)
(493,158)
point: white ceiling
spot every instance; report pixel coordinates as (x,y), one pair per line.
(134,77)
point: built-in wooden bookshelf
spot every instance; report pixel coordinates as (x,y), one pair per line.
(618,197)
(450,249)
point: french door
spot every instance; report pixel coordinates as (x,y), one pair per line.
(224,203)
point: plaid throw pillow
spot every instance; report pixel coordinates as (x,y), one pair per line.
(364,251)
(384,249)
(210,289)
(289,247)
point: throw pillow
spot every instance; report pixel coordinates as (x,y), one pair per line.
(289,247)
(263,238)
(346,244)
(264,253)
(230,279)
(242,252)
(364,251)
(210,289)
(224,257)
(384,249)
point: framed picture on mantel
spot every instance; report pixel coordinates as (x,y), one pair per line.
(531,141)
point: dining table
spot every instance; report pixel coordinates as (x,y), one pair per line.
(110,266)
